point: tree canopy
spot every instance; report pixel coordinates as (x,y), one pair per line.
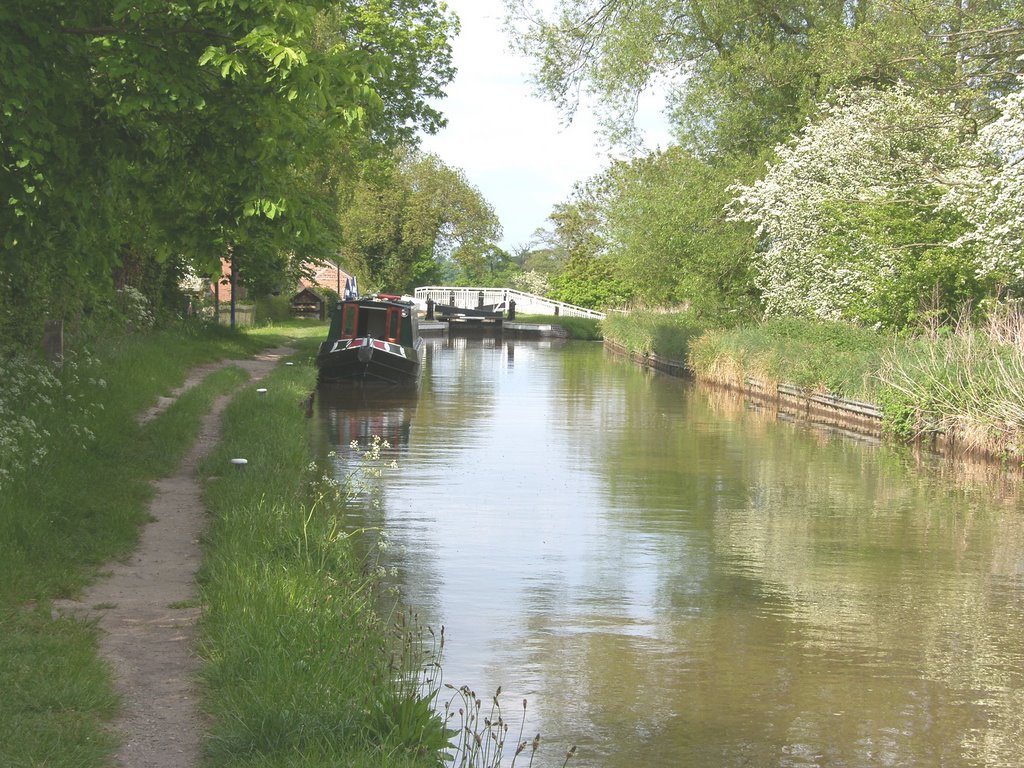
(170,132)
(852,159)
(743,74)
(410,220)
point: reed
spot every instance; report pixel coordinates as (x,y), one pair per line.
(966,383)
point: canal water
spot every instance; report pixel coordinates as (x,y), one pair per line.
(672,578)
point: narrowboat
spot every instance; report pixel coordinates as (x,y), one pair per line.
(372,339)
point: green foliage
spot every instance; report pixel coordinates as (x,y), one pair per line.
(409,215)
(930,278)
(591,283)
(273,309)
(742,75)
(668,334)
(672,244)
(137,132)
(838,357)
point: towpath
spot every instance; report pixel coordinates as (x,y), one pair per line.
(146,606)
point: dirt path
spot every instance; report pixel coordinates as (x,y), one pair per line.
(145,607)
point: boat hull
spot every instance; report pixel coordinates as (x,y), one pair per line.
(369,360)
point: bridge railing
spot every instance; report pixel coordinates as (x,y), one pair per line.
(527,303)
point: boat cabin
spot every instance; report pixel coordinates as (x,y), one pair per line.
(388,320)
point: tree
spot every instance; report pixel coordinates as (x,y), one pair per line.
(674,246)
(577,241)
(990,194)
(742,75)
(163,130)
(410,217)
(850,218)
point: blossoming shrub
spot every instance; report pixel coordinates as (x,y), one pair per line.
(851,216)
(990,192)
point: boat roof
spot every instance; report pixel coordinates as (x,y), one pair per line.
(381,298)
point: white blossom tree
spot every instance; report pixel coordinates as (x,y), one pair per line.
(849,216)
(990,193)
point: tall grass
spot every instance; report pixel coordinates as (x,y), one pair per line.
(966,382)
(838,357)
(667,334)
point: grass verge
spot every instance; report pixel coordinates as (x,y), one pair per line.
(297,664)
(666,334)
(580,328)
(76,501)
(837,357)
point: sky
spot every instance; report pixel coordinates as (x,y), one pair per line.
(512,145)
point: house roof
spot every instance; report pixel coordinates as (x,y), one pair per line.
(310,291)
(328,276)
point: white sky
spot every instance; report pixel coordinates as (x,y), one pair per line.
(511,144)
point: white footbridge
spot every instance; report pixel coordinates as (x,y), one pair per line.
(527,303)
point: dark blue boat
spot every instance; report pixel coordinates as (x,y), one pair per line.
(372,339)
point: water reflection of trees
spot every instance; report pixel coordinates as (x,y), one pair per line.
(759,593)
(857,607)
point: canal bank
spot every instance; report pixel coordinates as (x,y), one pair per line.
(510,328)
(817,407)
(950,394)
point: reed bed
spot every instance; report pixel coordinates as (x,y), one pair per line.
(965,383)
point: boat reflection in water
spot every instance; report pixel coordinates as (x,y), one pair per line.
(353,415)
